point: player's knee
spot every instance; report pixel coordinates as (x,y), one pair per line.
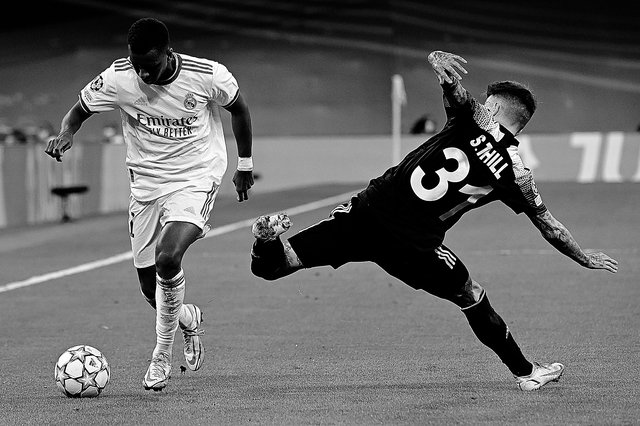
(265,270)
(265,274)
(468,295)
(268,275)
(167,260)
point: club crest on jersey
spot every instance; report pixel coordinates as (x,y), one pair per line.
(97,84)
(190,101)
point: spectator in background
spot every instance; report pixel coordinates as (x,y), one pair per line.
(26,133)
(45,132)
(423,125)
(16,136)
(5,131)
(111,135)
(30,130)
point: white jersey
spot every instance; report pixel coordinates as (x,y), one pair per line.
(173,131)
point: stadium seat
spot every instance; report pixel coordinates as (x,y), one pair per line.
(64,192)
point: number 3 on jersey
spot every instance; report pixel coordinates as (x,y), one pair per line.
(444,177)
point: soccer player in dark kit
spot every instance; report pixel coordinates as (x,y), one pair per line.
(399,220)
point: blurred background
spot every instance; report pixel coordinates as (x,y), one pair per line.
(317,76)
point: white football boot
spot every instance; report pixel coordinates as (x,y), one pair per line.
(193,347)
(541,375)
(158,372)
(268,228)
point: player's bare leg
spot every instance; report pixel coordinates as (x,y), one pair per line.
(492,331)
(271,258)
(174,240)
(189,320)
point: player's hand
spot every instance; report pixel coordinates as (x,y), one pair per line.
(447,66)
(602,261)
(57,146)
(243,181)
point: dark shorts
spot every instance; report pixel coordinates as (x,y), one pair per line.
(351,234)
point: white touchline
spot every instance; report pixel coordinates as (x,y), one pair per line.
(38,279)
(225,229)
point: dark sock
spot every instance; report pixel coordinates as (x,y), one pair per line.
(491,330)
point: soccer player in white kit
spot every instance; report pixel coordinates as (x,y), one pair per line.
(176,158)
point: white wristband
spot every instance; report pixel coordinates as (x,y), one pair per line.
(245,164)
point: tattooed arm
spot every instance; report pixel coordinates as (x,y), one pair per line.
(448,70)
(559,237)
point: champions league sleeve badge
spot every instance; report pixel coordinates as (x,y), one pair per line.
(190,101)
(97,84)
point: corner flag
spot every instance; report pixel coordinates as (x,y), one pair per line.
(398,99)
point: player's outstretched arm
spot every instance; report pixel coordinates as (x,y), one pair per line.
(559,237)
(241,126)
(448,70)
(447,66)
(56,147)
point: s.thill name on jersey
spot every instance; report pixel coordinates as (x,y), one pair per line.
(490,157)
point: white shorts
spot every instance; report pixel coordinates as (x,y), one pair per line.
(146,219)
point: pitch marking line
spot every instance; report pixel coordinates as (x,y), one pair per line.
(225,229)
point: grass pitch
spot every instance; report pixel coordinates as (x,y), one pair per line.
(324,346)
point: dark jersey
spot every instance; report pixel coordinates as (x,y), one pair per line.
(471,162)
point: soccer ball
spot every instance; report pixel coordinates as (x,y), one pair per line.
(82,371)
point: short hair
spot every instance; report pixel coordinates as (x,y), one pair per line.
(521,99)
(147,34)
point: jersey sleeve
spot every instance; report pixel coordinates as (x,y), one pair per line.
(525,197)
(225,86)
(100,95)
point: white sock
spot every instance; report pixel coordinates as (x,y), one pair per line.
(185,319)
(169,297)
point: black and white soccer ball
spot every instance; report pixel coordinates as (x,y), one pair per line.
(82,371)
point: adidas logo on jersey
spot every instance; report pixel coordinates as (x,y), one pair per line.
(190,209)
(140,101)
